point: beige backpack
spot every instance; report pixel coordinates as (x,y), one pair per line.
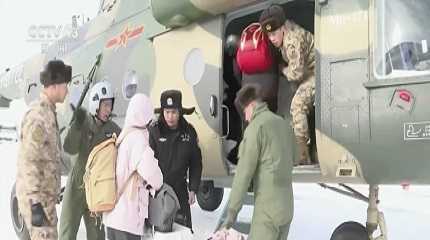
(100,177)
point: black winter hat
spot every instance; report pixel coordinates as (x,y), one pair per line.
(173,99)
(55,72)
(272,18)
(246,95)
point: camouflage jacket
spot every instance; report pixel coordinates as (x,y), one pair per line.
(38,172)
(298,52)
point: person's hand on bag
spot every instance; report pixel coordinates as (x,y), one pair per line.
(191,197)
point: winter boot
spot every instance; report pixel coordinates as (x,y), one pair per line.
(304,156)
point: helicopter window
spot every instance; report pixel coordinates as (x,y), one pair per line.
(130,82)
(401,48)
(194,66)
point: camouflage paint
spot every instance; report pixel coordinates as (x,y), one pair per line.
(355,120)
(172,49)
(180,13)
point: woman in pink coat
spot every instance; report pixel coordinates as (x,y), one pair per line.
(126,220)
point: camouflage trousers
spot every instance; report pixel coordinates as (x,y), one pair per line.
(48,232)
(301,105)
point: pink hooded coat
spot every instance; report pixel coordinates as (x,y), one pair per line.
(134,153)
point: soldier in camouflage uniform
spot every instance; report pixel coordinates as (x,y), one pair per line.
(38,172)
(297,48)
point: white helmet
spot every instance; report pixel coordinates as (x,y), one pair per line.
(101,90)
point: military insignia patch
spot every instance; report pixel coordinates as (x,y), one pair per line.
(268,27)
(185,137)
(169,101)
(37,134)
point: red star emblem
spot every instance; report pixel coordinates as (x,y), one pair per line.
(124,37)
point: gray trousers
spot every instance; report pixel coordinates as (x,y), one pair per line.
(114,234)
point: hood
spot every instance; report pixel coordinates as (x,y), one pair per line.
(139,112)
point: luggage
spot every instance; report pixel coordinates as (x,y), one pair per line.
(163,208)
(100,177)
(229,234)
(254,55)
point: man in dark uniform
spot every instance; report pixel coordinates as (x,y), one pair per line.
(175,145)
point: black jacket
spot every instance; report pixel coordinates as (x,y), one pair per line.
(177,152)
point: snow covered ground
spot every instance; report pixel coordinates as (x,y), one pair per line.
(317,211)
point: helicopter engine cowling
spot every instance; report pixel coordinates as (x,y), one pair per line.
(180,13)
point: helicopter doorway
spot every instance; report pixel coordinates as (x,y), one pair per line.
(301,12)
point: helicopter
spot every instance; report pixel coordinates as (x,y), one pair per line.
(370,123)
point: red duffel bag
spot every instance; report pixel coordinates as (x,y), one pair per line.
(253,55)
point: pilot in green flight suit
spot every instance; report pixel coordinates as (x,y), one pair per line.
(266,159)
(86,131)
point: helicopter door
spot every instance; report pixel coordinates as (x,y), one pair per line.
(341,99)
(190,59)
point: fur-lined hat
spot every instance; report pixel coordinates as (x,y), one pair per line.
(173,99)
(272,18)
(55,72)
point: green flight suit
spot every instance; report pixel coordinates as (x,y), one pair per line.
(266,158)
(80,140)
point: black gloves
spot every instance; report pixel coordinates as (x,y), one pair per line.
(38,217)
(79,116)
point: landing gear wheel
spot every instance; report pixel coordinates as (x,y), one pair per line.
(17,220)
(209,197)
(350,231)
